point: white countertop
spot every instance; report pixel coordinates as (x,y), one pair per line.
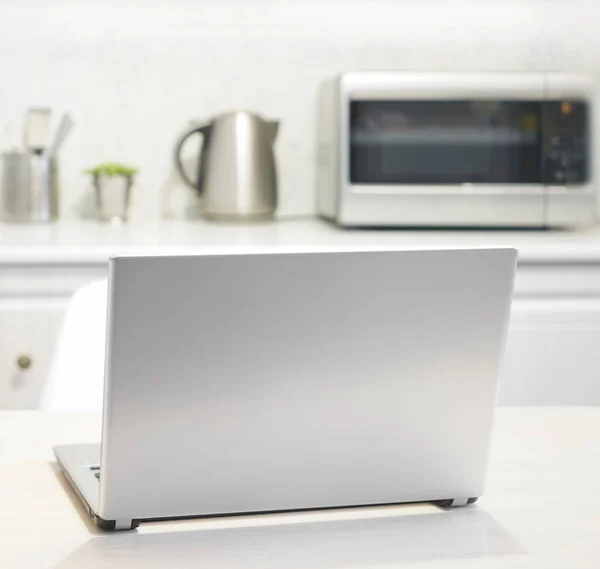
(541,510)
(94,242)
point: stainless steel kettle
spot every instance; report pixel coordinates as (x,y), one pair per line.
(236,168)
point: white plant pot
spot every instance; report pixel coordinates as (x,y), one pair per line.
(112,197)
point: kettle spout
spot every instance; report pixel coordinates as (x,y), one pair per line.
(272,130)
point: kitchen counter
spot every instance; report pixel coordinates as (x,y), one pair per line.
(77,242)
(555,318)
(541,511)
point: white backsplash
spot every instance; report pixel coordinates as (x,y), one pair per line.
(133,73)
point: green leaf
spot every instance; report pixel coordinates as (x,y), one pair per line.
(112,169)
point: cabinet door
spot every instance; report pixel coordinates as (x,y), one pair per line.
(552,353)
(28,330)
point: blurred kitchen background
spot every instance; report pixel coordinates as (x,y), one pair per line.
(132,74)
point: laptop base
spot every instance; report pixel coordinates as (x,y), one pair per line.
(106,525)
(119,525)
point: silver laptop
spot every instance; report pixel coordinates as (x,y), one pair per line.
(285,381)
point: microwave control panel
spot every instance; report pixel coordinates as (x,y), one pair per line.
(565,142)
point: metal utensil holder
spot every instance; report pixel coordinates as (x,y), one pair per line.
(28,187)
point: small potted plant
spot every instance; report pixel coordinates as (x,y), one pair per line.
(112,185)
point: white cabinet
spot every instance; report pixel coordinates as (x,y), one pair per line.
(553,352)
(33,299)
(28,330)
(553,347)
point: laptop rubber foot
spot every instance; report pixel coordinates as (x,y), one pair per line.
(114,525)
(456,502)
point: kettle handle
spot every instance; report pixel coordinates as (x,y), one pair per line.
(201,129)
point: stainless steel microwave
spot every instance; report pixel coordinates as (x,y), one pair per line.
(456,149)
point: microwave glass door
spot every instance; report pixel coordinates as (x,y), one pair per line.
(459,142)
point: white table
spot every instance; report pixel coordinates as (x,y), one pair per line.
(541,510)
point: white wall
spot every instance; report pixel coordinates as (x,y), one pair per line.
(133,72)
